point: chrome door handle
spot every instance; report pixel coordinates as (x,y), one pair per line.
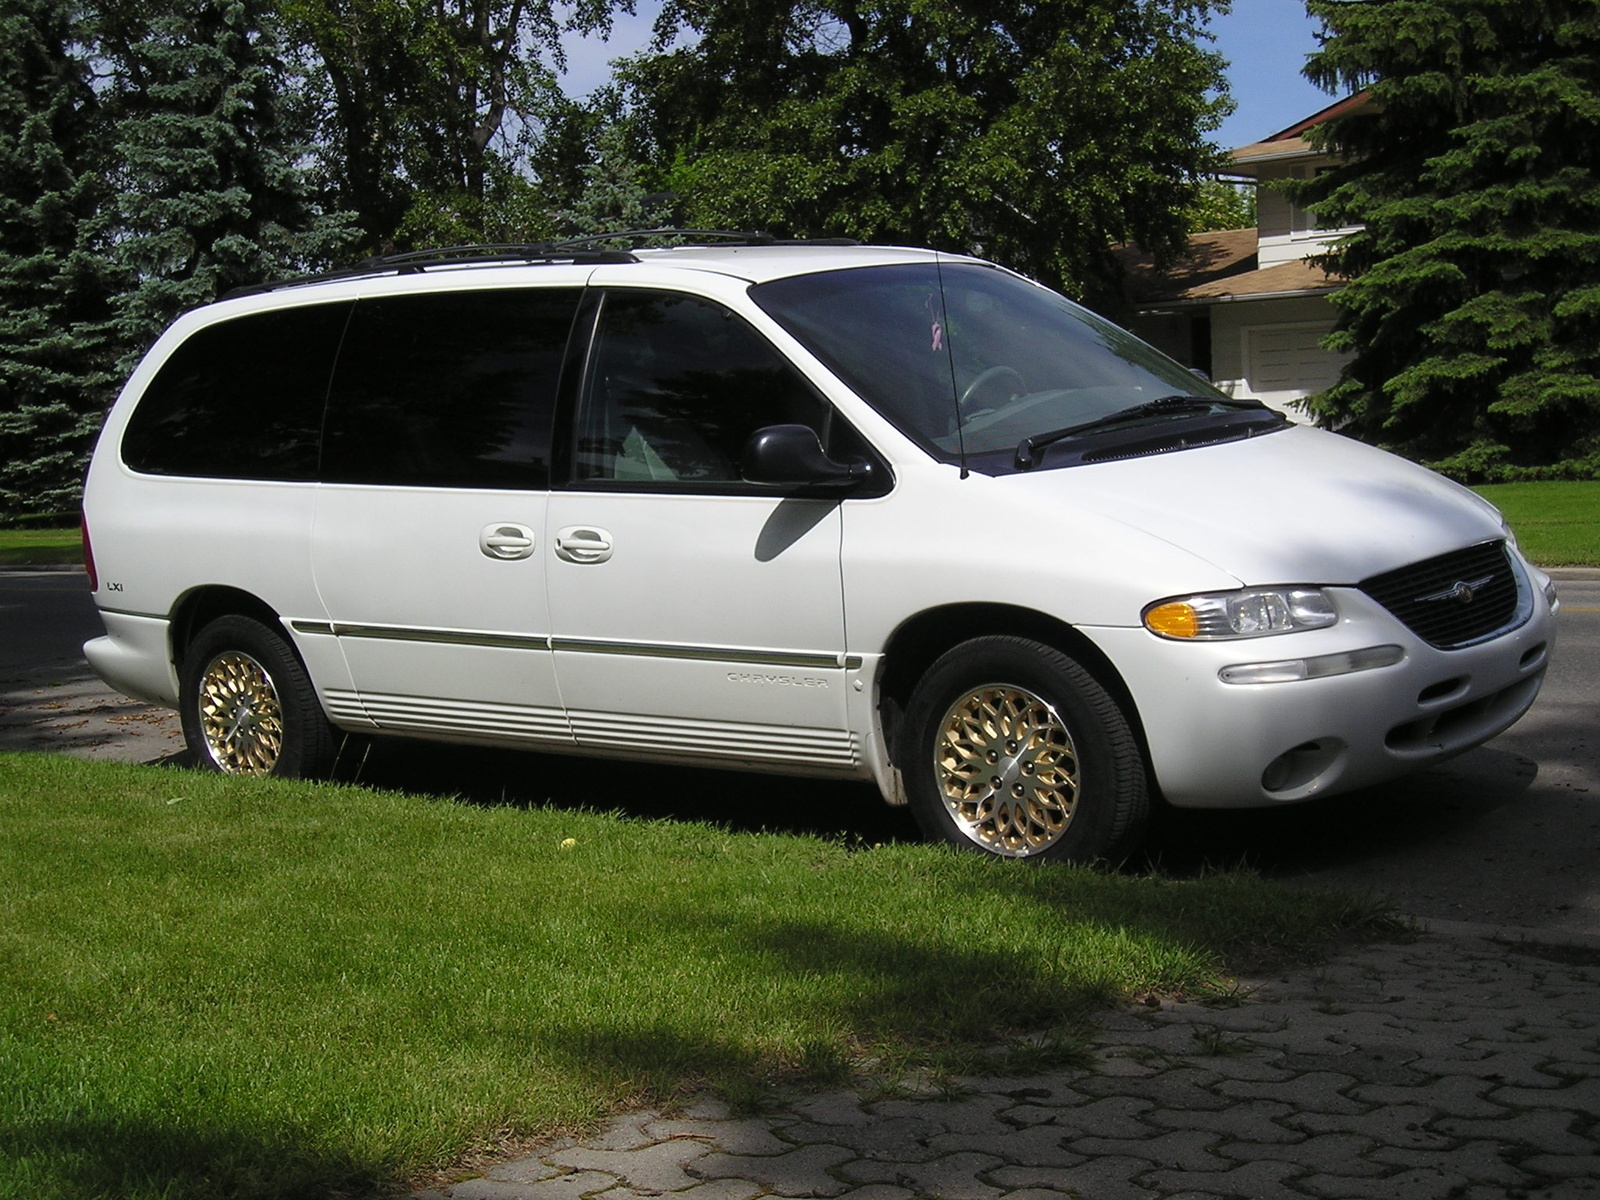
(506,541)
(583,544)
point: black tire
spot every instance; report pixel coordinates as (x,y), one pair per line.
(248,706)
(1070,787)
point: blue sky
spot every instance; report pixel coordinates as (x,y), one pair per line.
(1265,42)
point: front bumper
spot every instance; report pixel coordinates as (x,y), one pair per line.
(1220,745)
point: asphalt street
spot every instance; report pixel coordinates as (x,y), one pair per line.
(1508,834)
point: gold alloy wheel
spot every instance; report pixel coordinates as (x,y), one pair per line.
(240,716)
(1007,770)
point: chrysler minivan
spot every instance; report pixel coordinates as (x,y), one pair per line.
(831,510)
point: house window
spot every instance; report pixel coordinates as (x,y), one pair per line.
(1303,222)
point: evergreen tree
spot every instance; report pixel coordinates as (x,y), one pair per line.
(212,194)
(613,196)
(54,355)
(1473,303)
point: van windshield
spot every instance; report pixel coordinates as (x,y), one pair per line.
(976,364)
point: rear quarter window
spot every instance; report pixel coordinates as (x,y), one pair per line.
(241,399)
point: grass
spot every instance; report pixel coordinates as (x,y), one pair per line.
(225,988)
(1557,523)
(40,547)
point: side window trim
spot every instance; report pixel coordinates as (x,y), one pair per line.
(327,391)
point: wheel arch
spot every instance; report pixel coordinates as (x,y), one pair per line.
(200,606)
(922,639)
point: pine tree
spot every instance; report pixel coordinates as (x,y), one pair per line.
(614,196)
(1473,303)
(212,194)
(54,353)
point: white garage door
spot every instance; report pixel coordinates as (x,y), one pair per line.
(1284,362)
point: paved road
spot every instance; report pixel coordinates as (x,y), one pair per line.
(50,700)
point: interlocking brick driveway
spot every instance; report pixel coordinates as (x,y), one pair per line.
(1454,1066)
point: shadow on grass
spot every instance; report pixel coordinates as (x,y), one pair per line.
(80,1160)
(738,801)
(886,1006)
(1411,814)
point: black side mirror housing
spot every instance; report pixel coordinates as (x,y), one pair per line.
(792,456)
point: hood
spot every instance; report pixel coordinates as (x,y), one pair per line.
(1299,506)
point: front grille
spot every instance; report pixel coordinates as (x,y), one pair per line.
(1453,599)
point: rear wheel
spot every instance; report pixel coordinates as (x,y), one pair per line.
(1015,750)
(248,706)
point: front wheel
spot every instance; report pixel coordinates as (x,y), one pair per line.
(1015,750)
(248,706)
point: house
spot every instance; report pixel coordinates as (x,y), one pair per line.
(1245,305)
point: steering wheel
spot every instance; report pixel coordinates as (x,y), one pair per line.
(987,378)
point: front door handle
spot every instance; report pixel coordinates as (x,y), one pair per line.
(583,544)
(506,541)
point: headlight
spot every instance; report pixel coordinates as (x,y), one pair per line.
(1250,612)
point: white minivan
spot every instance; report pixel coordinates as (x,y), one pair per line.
(833,510)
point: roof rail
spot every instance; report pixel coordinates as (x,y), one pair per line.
(691,237)
(595,248)
(498,252)
(415,261)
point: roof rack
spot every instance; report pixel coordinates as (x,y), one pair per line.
(591,249)
(453,256)
(415,261)
(691,237)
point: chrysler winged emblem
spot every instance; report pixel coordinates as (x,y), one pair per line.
(1463,591)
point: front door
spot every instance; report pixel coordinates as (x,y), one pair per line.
(694,615)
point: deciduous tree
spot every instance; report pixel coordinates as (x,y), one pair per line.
(427,109)
(1037,133)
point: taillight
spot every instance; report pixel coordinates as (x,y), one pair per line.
(88,554)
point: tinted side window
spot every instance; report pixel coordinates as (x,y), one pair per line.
(676,386)
(241,399)
(449,389)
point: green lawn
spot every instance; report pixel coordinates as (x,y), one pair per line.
(221,988)
(40,547)
(1557,524)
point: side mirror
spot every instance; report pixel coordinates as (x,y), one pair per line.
(791,455)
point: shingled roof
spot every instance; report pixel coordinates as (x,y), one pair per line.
(1219,266)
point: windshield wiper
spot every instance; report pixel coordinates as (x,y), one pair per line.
(1161,406)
